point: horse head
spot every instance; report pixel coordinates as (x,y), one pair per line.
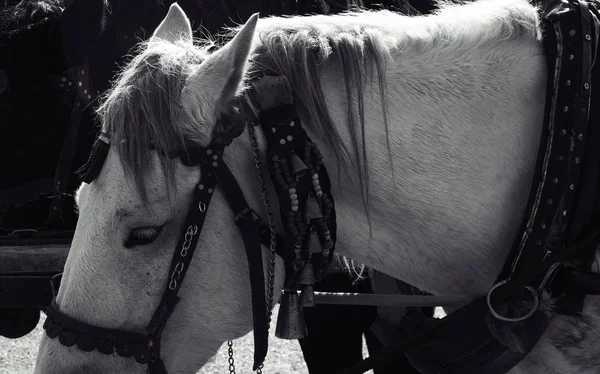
(132,214)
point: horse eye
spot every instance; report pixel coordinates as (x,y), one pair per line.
(142,236)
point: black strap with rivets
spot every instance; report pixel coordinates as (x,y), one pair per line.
(545,236)
(64,166)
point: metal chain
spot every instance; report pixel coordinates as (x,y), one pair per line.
(272,246)
(271,223)
(231,360)
(191,231)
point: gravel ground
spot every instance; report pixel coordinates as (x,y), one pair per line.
(17,356)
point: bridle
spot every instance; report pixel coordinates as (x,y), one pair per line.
(309,236)
(145,348)
(307,244)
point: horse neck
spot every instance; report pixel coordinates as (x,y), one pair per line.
(445,201)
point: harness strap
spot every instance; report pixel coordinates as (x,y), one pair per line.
(392,352)
(182,258)
(430,328)
(522,279)
(252,242)
(264,230)
(548,234)
(90,170)
(64,165)
(465,357)
(87,337)
(586,282)
(144,347)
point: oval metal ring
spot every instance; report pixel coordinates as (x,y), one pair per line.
(172,284)
(536,304)
(202,206)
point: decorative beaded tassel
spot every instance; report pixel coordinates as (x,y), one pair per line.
(306,208)
(290,321)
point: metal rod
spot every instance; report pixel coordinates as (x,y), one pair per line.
(346,298)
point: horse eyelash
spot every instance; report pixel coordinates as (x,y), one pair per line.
(145,233)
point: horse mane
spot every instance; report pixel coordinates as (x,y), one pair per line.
(299,53)
(298,50)
(28,14)
(148,89)
(141,109)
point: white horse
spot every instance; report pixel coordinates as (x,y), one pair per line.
(435,173)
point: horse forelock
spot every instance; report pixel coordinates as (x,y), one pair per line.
(144,109)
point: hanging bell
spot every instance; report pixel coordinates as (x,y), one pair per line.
(312,209)
(307,297)
(298,167)
(290,321)
(307,277)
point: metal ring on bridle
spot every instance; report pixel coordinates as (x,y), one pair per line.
(536,303)
(202,206)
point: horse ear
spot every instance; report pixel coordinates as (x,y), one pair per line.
(176,26)
(81,24)
(219,78)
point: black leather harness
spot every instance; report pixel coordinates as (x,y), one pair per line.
(145,348)
(286,139)
(75,89)
(559,234)
(554,249)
